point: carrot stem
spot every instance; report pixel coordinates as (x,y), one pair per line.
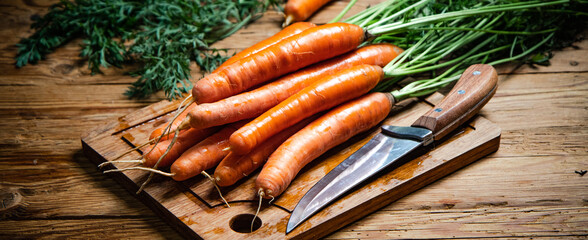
(356,19)
(427,86)
(400,26)
(530,50)
(345,10)
(401,12)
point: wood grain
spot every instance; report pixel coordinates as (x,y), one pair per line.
(527,189)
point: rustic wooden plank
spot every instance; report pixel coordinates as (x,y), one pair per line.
(57,185)
(498,222)
(77,97)
(553,103)
(88,228)
(515,186)
(544,141)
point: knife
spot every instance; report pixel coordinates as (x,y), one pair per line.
(472,91)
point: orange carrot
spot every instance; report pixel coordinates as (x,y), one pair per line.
(300,10)
(253,103)
(283,34)
(295,52)
(234,167)
(204,155)
(331,129)
(185,140)
(319,96)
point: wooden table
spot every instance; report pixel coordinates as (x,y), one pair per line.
(529,188)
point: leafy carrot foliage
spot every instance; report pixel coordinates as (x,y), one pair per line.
(162,36)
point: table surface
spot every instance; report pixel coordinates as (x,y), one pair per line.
(528,188)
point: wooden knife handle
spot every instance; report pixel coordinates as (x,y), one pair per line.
(472,91)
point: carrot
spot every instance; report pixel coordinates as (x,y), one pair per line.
(331,129)
(234,167)
(204,155)
(185,140)
(253,103)
(295,52)
(319,96)
(281,35)
(300,10)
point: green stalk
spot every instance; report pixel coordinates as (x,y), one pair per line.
(356,19)
(399,13)
(372,16)
(427,86)
(432,38)
(460,41)
(391,70)
(345,10)
(529,51)
(402,26)
(491,31)
(404,55)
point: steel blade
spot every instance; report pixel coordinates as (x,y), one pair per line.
(380,152)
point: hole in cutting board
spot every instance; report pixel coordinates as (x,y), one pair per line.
(242,223)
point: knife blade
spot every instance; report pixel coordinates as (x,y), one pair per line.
(472,91)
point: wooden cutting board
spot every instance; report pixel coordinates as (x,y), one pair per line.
(194,208)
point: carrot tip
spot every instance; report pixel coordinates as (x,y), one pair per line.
(289,20)
(260,192)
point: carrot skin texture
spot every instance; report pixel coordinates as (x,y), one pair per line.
(255,102)
(300,10)
(319,96)
(234,167)
(204,155)
(185,140)
(310,46)
(328,131)
(281,35)
(158,131)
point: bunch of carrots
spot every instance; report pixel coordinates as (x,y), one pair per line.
(285,101)
(237,131)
